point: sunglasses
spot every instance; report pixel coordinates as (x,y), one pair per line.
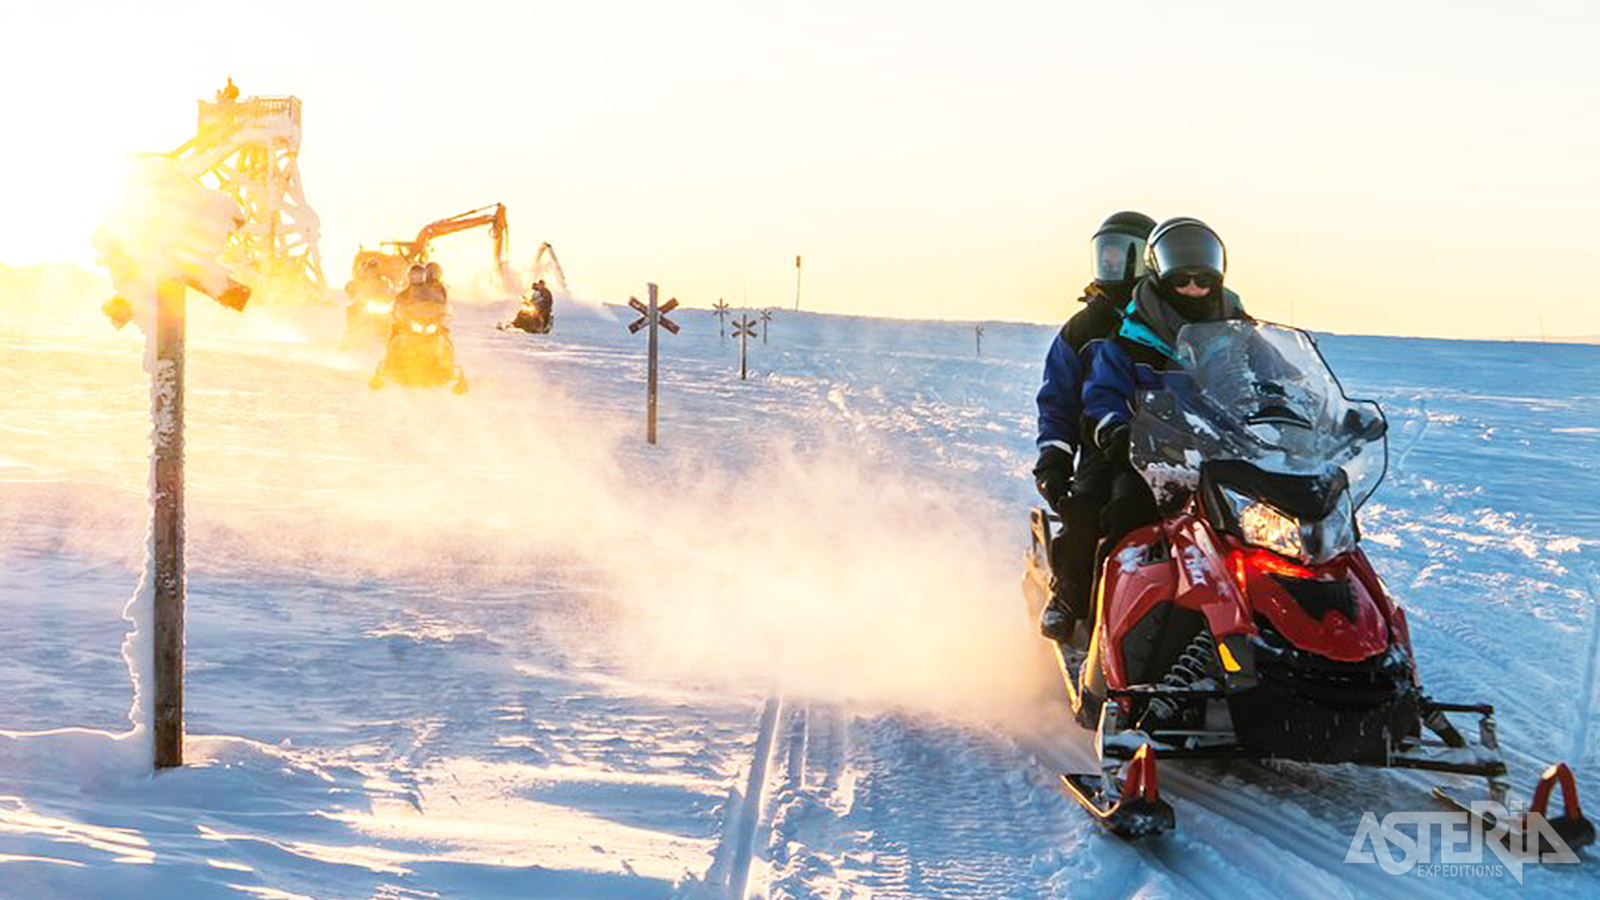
(1202,279)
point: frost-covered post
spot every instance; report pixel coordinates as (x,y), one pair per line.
(166,528)
(977,335)
(766,316)
(166,235)
(652,316)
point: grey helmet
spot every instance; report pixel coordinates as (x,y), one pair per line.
(1119,246)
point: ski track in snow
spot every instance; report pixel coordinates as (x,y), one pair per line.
(403,743)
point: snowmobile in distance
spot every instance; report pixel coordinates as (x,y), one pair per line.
(1247,622)
(368,319)
(420,352)
(536,315)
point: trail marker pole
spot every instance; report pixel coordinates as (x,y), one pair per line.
(652,316)
(977,334)
(166,542)
(165,566)
(744,328)
(766,316)
(191,222)
(720,309)
(797,281)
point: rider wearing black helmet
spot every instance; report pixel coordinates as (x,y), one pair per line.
(1185,262)
(1077,492)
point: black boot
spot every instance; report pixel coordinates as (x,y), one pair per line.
(1057,622)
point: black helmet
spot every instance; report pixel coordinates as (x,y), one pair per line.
(417,274)
(1119,245)
(1185,245)
(434,271)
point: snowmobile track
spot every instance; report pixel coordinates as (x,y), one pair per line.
(748,817)
(1580,734)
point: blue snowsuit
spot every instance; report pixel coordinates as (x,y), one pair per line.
(1140,357)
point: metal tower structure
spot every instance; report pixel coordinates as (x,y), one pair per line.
(248,149)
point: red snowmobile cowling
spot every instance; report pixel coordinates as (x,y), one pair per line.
(1183,561)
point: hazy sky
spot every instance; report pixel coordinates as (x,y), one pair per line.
(1390,167)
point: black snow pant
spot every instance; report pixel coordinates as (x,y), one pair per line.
(1072,551)
(1131,506)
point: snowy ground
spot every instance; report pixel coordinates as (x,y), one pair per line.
(494,646)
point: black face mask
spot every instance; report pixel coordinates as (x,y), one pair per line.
(1191,308)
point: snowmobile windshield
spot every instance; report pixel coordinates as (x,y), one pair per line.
(1260,393)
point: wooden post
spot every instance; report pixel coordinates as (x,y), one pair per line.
(166,546)
(654,317)
(797,281)
(650,428)
(977,334)
(744,328)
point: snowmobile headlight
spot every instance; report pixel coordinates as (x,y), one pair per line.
(379,307)
(1335,534)
(1266,526)
(1263,525)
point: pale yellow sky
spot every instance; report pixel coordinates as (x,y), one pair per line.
(1394,167)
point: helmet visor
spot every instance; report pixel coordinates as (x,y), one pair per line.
(1117,257)
(1188,248)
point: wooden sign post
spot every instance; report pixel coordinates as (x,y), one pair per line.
(977,334)
(652,316)
(166,539)
(165,566)
(720,310)
(744,328)
(766,316)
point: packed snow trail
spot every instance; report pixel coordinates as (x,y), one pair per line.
(492,646)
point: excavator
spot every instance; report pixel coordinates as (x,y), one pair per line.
(377,275)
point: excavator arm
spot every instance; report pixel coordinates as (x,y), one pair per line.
(494,216)
(394,257)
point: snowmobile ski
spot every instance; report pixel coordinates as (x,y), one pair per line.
(1137,810)
(1518,831)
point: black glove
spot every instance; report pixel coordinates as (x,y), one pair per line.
(1052,475)
(1113,441)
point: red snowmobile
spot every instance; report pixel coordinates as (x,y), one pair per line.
(1248,622)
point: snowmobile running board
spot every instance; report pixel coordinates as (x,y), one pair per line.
(1137,812)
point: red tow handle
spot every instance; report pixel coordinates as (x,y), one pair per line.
(1140,781)
(1557,772)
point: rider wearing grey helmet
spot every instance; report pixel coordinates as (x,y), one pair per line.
(1071,474)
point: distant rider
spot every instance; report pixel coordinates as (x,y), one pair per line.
(1185,262)
(1078,492)
(543,300)
(368,283)
(435,281)
(412,294)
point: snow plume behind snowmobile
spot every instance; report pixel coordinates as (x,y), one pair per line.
(1248,622)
